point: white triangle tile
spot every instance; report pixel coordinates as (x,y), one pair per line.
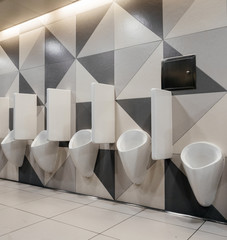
(68,82)
(10,171)
(151,192)
(65,32)
(148,76)
(172,12)
(102,39)
(211,127)
(36,56)
(123,121)
(187,111)
(36,79)
(83,84)
(6,82)
(128,61)
(26,42)
(14,88)
(6,65)
(91,186)
(201,16)
(210,48)
(40,119)
(129,31)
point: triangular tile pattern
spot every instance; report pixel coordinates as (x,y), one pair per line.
(123,121)
(36,56)
(210,49)
(65,177)
(184,200)
(69,80)
(104,170)
(11,47)
(211,128)
(128,61)
(11,119)
(147,12)
(27,42)
(148,76)
(10,171)
(172,12)
(14,88)
(3,161)
(65,32)
(83,83)
(139,110)
(6,82)
(6,66)
(125,27)
(188,109)
(202,15)
(54,73)
(86,23)
(35,77)
(102,39)
(83,116)
(169,51)
(151,191)
(28,175)
(24,87)
(100,66)
(55,52)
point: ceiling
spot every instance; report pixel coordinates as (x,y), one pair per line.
(13,12)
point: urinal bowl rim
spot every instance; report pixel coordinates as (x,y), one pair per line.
(81,145)
(216,161)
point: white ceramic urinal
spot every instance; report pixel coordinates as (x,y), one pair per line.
(45,151)
(84,152)
(203,163)
(134,150)
(13,149)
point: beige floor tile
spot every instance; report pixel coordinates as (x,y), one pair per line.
(215,228)
(207,236)
(76,198)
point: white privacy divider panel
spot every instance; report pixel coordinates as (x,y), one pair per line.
(161,124)
(4,116)
(25,116)
(59,114)
(103,113)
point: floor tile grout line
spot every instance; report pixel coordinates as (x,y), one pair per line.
(196,231)
(213,233)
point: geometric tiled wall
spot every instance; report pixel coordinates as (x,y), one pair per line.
(122,43)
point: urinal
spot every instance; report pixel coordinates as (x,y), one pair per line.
(83,152)
(203,163)
(45,152)
(13,149)
(134,150)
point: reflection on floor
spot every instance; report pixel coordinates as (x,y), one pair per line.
(29,212)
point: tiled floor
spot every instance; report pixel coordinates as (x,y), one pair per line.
(28,212)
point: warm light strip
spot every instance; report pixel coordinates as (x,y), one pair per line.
(69,10)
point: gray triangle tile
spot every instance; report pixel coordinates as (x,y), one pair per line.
(128,61)
(83,116)
(100,66)
(102,39)
(172,12)
(7,65)
(6,82)
(189,109)
(86,23)
(24,87)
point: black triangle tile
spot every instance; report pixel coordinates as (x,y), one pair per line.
(55,72)
(24,87)
(86,23)
(54,50)
(28,175)
(100,66)
(39,102)
(180,198)
(147,12)
(11,47)
(169,51)
(83,116)
(104,170)
(11,119)
(139,109)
